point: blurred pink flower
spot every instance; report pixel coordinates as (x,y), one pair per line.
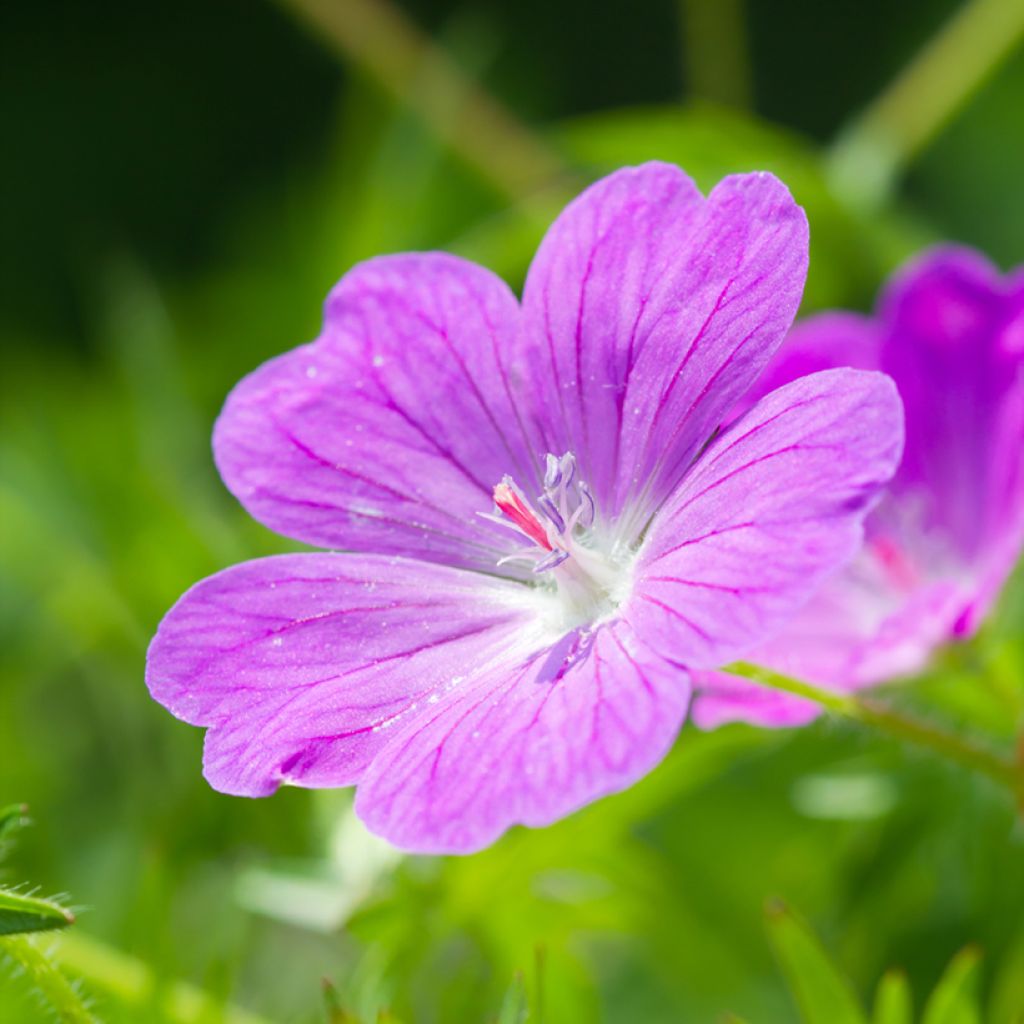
(950,331)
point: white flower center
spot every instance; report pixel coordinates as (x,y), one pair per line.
(585,569)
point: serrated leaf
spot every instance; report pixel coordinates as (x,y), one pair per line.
(822,994)
(893,1001)
(514,1009)
(955,999)
(19,914)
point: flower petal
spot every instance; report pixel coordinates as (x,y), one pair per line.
(528,744)
(770,509)
(302,666)
(389,433)
(721,698)
(649,311)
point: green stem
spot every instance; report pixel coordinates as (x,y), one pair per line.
(47,980)
(872,712)
(715,52)
(135,985)
(867,158)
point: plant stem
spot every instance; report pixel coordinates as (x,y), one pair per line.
(875,713)
(378,38)
(715,52)
(868,156)
(47,980)
(135,985)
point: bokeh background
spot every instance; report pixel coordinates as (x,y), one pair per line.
(180,186)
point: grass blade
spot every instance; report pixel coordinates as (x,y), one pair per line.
(822,994)
(893,1002)
(954,1000)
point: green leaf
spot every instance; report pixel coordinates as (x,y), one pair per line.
(822,994)
(515,1008)
(20,914)
(955,999)
(335,1012)
(893,1002)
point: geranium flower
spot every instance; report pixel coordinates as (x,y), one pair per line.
(950,331)
(544,532)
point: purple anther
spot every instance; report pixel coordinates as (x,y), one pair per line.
(547,506)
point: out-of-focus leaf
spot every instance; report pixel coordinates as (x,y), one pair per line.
(1007,1001)
(515,1007)
(20,913)
(893,1002)
(821,992)
(11,817)
(335,1013)
(955,999)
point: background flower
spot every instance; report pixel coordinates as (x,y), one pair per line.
(949,531)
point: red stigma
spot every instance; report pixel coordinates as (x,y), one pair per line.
(897,566)
(520,513)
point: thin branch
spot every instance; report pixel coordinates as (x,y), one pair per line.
(716,56)
(376,36)
(868,157)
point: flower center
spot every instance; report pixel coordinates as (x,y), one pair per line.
(569,554)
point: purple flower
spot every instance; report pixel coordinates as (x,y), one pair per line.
(545,534)
(950,331)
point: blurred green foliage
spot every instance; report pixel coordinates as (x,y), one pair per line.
(186,188)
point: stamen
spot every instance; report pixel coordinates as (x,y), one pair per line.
(548,508)
(585,568)
(555,559)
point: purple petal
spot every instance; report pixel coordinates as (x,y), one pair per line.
(390,432)
(649,311)
(720,698)
(770,509)
(303,666)
(528,743)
